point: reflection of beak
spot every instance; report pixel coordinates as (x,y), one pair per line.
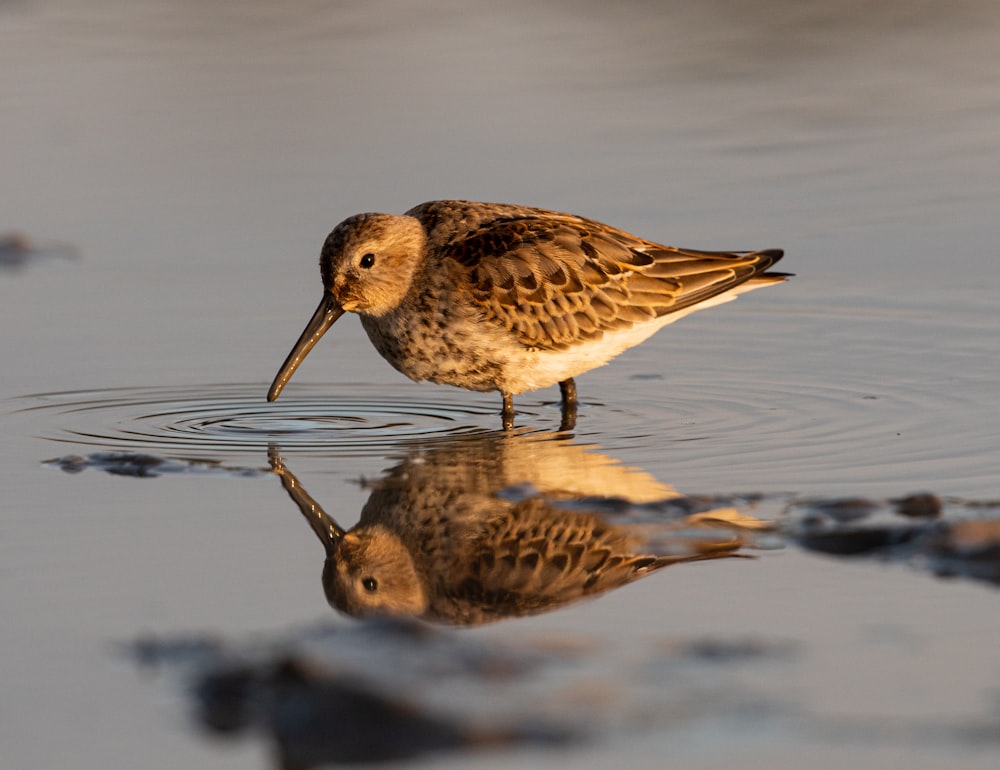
(326,314)
(327,530)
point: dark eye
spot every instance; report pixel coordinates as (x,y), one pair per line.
(367,260)
(370,584)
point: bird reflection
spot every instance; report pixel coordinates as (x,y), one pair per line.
(503,526)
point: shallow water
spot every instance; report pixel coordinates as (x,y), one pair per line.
(192,159)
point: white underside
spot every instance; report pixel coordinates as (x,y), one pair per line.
(540,369)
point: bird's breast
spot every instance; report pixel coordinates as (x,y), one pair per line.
(443,347)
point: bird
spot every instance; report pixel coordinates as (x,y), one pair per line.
(501,526)
(508,298)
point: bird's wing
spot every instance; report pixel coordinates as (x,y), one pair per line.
(555,280)
(537,557)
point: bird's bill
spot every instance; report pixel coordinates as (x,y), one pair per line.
(327,530)
(326,314)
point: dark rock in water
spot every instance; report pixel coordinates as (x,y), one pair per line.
(117,463)
(920,529)
(854,541)
(844,509)
(143,466)
(723,651)
(363,693)
(967,549)
(17,250)
(922,505)
(850,526)
(153,652)
(317,716)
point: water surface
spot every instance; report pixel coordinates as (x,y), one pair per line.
(193,159)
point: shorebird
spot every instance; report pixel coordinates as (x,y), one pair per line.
(489,296)
(440,537)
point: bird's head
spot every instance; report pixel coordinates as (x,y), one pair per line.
(368,263)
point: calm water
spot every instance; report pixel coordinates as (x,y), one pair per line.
(196,155)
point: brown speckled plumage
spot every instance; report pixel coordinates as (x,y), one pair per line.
(489,296)
(435,539)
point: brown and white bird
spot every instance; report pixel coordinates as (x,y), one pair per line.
(488,296)
(437,540)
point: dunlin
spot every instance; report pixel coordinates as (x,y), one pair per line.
(437,539)
(487,296)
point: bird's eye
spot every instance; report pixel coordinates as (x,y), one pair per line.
(370,584)
(367,260)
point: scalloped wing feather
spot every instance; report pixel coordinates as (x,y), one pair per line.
(555,280)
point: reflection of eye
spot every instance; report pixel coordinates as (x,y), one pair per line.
(367,261)
(370,584)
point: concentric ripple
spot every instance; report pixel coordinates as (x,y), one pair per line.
(803,435)
(224,419)
(800,435)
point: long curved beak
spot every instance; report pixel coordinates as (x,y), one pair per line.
(326,314)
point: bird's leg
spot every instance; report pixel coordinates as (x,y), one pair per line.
(507,413)
(568,389)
